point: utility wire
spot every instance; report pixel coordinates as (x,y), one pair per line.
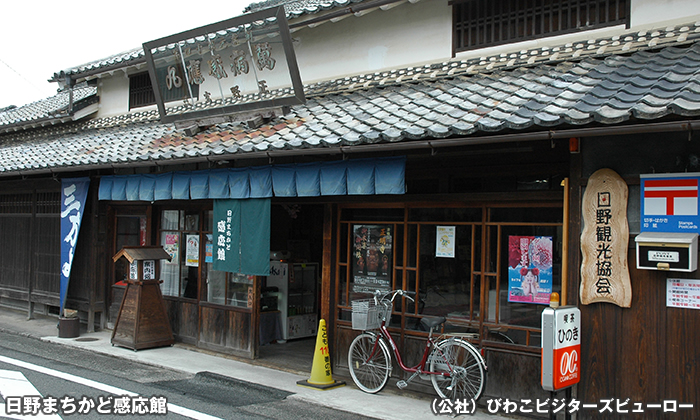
(20,75)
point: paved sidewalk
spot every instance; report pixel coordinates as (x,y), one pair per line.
(384,405)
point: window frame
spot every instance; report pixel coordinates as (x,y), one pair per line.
(486,267)
(141,93)
(504,25)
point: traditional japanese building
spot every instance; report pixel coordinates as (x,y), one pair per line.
(452,142)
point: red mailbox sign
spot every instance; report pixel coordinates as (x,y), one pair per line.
(561,347)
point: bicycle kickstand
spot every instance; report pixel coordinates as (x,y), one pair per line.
(403,384)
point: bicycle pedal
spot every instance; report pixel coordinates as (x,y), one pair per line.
(402,384)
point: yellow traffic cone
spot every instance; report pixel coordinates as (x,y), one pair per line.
(321,376)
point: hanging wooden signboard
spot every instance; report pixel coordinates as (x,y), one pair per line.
(604,241)
(238,69)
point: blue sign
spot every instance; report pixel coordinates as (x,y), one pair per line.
(73,195)
(669,203)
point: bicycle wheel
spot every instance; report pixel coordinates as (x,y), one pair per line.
(370,364)
(465,366)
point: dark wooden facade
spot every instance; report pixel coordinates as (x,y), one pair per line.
(30,255)
(646,353)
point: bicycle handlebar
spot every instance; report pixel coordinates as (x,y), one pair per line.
(379,295)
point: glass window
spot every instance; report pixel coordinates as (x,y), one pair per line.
(222,288)
(531,267)
(445,285)
(180,236)
(490,277)
(170,270)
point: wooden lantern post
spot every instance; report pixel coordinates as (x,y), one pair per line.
(142,321)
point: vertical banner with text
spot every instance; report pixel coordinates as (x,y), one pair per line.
(242,236)
(227,235)
(73,196)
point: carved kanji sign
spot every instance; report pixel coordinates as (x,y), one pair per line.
(604,241)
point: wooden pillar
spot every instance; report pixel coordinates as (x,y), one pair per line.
(30,258)
(255,318)
(575,185)
(326,271)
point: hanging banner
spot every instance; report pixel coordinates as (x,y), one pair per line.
(529,269)
(372,258)
(227,234)
(73,195)
(242,236)
(604,241)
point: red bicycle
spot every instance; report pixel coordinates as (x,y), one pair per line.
(453,365)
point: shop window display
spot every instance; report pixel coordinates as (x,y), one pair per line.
(461,263)
(180,237)
(191,248)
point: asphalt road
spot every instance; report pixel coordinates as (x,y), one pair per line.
(75,384)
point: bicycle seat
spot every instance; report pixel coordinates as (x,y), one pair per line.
(432,321)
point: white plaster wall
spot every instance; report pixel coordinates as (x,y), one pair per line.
(404,36)
(114,94)
(408,35)
(647,12)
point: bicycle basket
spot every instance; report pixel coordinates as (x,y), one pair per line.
(367,315)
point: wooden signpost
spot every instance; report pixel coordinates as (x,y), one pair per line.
(604,241)
(142,321)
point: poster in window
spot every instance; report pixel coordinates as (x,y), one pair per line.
(171,246)
(209,250)
(529,269)
(192,251)
(371,258)
(445,241)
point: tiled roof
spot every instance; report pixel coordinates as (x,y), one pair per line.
(54,107)
(297,8)
(124,59)
(293,9)
(590,87)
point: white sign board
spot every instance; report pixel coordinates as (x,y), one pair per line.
(683,293)
(561,347)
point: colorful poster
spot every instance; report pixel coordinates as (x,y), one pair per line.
(208,252)
(192,251)
(372,258)
(445,242)
(171,247)
(529,269)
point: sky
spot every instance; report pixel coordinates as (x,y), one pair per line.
(40,38)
